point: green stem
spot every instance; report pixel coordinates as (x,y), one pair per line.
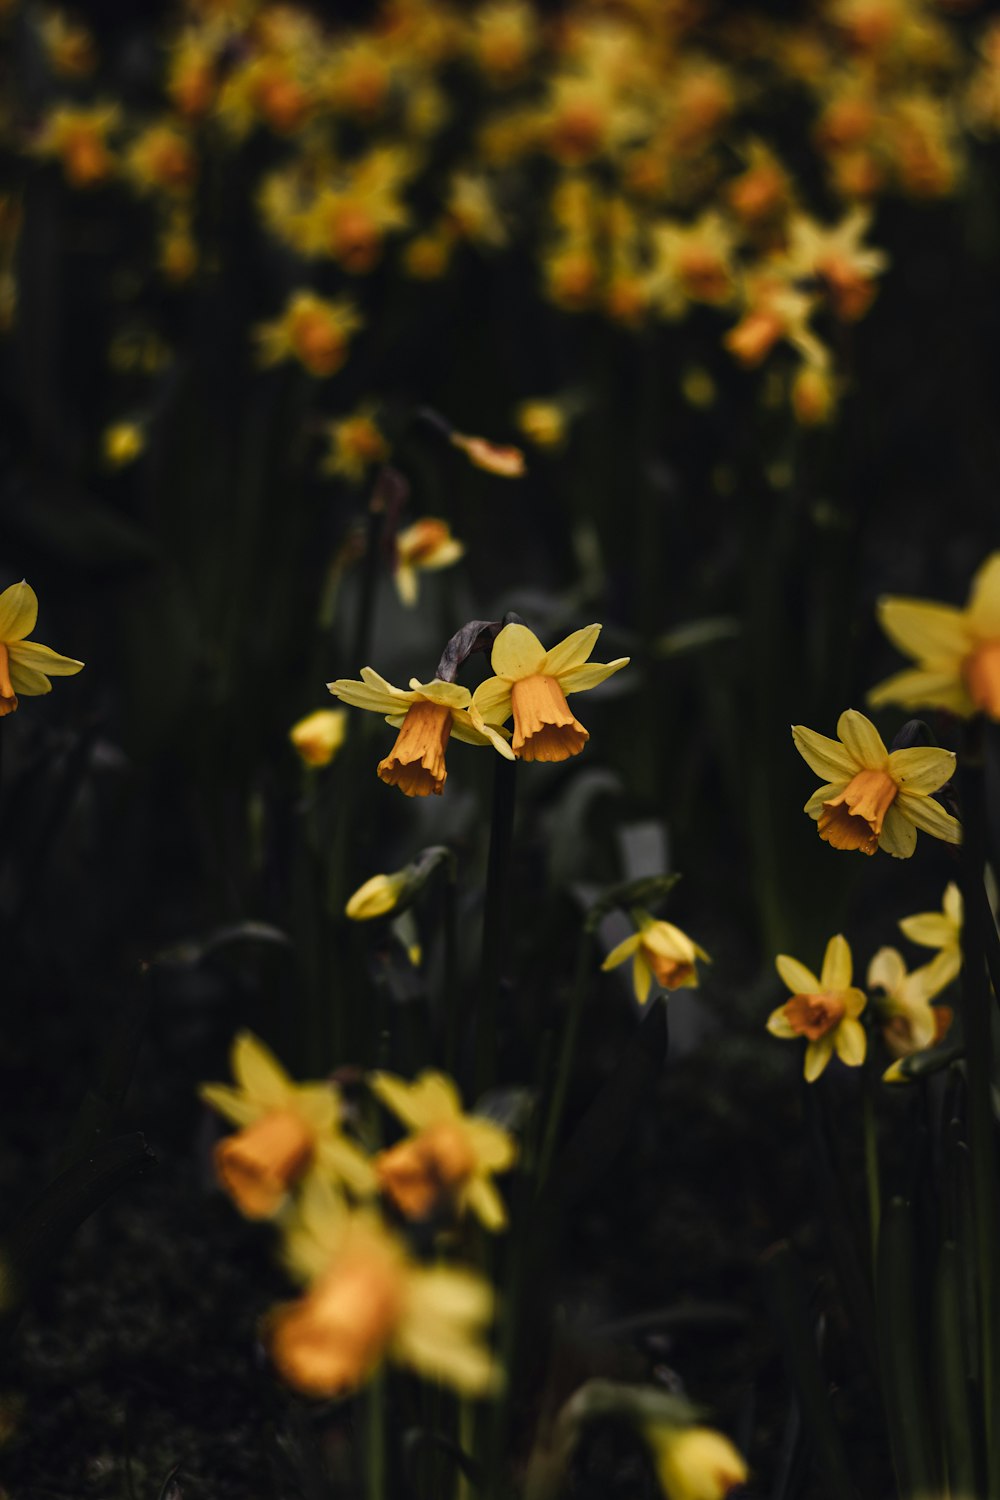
(872,1180)
(451,996)
(566,1058)
(495,920)
(375,1435)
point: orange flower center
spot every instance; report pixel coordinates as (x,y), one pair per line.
(421,1172)
(853,820)
(703,273)
(754,338)
(850,293)
(8,697)
(812,1016)
(670,973)
(981,672)
(578,131)
(544,726)
(333,1338)
(423,539)
(318,343)
(259,1164)
(87,158)
(416,761)
(354,238)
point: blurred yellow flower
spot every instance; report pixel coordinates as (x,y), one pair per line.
(504,34)
(122,442)
(78,138)
(163,158)
(356,444)
(532,683)
(493,457)
(288,1132)
(319,736)
(823,1010)
(367,1301)
(694,1463)
(426,546)
(25,666)
(814,395)
(449,1158)
(774,309)
(908,1020)
(542,422)
(68,45)
(426,716)
(378,895)
(873,799)
(313,330)
(835,255)
(941,930)
(658,950)
(957,651)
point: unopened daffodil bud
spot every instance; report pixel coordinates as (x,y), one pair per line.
(122,443)
(379,895)
(319,736)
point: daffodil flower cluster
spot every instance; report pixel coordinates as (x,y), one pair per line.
(367,1297)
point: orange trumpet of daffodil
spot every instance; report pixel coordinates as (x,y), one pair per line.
(25,666)
(873,799)
(824,1010)
(532,683)
(658,950)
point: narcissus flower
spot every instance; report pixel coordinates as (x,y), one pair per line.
(356,443)
(507,462)
(941,930)
(957,651)
(25,666)
(367,1301)
(122,442)
(425,547)
(659,951)
(378,895)
(823,1010)
(426,716)
(312,330)
(694,1463)
(909,1021)
(288,1133)
(78,138)
(542,422)
(532,683)
(319,736)
(873,799)
(450,1157)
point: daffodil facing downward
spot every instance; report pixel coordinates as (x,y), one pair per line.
(449,1158)
(426,546)
(25,666)
(824,1010)
(532,684)
(426,716)
(288,1132)
(909,1022)
(659,951)
(873,799)
(956,651)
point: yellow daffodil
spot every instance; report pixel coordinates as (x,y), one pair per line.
(659,951)
(426,717)
(941,930)
(68,45)
(378,895)
(507,462)
(356,444)
(908,1019)
(774,308)
(78,138)
(814,394)
(835,255)
(122,443)
(424,547)
(694,1463)
(873,799)
(450,1157)
(319,736)
(288,1133)
(542,422)
(825,1010)
(25,666)
(532,683)
(691,263)
(312,330)
(162,158)
(367,1302)
(957,651)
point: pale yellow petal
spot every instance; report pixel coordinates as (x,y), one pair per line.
(345,1162)
(437,1097)
(850,1041)
(818,1054)
(622,951)
(670,941)
(854,1000)
(483,1199)
(837,965)
(18,612)
(450,694)
(799,979)
(230,1102)
(887,970)
(898,836)
(407,584)
(828,758)
(778,1024)
(591,675)
(572,652)
(983,609)
(930,817)
(492,701)
(924,630)
(43,659)
(952,903)
(27,682)
(364,695)
(642,978)
(259,1072)
(517,653)
(921,769)
(862,740)
(443,556)
(931,929)
(821,796)
(924,687)
(400,1097)
(494,1148)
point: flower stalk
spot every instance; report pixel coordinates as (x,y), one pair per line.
(495,920)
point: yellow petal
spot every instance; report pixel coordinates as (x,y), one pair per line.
(818,1054)
(799,979)
(493,1147)
(642,977)
(837,965)
(887,970)
(572,652)
(376,697)
(230,1102)
(862,740)
(517,653)
(927,631)
(399,1097)
(821,796)
(930,817)
(438,1098)
(258,1071)
(894,1073)
(850,1042)
(778,1024)
(921,769)
(983,609)
(920,687)
(828,758)
(624,950)
(665,938)
(590,675)
(931,929)
(407,586)
(451,694)
(854,1000)
(492,701)
(952,903)
(483,1198)
(898,836)
(18,612)
(27,682)
(43,659)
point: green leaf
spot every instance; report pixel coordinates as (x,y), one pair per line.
(904,1383)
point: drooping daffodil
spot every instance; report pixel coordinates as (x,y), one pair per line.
(532,684)
(25,666)
(426,546)
(426,715)
(873,799)
(659,951)
(824,1010)
(910,1023)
